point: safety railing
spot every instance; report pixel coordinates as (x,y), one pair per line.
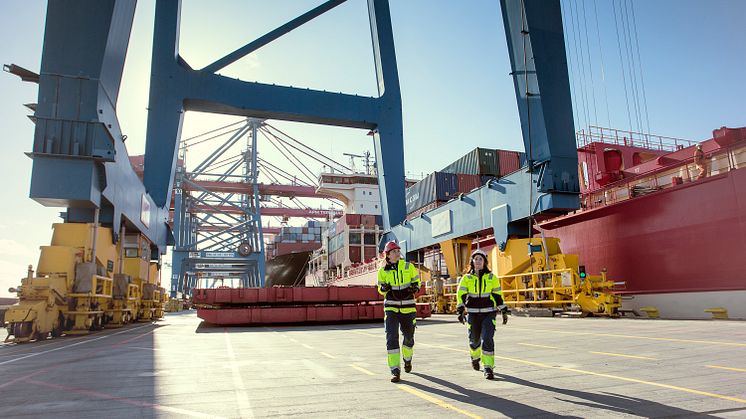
(101,287)
(630,139)
(717,162)
(553,287)
(441,295)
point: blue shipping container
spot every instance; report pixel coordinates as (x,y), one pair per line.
(437,186)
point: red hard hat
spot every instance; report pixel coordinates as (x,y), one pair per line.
(391,246)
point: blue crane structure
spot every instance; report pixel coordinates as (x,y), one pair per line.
(548,185)
(80,160)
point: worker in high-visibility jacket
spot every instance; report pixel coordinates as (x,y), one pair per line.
(398,282)
(480,297)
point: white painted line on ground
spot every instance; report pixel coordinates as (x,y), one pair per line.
(87,340)
(242,396)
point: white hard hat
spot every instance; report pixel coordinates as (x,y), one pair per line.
(479,252)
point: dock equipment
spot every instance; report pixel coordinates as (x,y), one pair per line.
(250,306)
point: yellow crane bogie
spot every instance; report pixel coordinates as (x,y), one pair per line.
(74,289)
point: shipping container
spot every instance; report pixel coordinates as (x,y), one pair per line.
(352,219)
(355,256)
(509,161)
(370,253)
(437,186)
(368,220)
(468,182)
(522,159)
(485,179)
(480,161)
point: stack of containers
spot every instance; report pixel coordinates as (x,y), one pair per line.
(438,186)
(471,171)
(298,239)
(354,239)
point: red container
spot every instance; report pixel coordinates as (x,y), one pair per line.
(355,256)
(368,220)
(509,161)
(352,219)
(370,253)
(285,295)
(468,182)
(302,314)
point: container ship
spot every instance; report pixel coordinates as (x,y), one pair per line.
(672,231)
(649,217)
(348,253)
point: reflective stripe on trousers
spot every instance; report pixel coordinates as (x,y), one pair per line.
(394,321)
(482,336)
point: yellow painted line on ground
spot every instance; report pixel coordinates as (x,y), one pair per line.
(438,402)
(539,346)
(726,368)
(307,346)
(622,355)
(613,335)
(361,369)
(598,374)
(327,355)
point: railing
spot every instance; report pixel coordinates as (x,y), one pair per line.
(554,287)
(630,139)
(660,178)
(441,296)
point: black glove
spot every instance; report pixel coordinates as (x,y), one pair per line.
(414,288)
(385,287)
(504,310)
(461,316)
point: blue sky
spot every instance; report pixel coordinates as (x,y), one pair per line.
(453,68)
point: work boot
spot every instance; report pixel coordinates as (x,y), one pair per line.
(407,366)
(475,364)
(395,376)
(488,374)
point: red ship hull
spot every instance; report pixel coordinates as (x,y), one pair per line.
(681,249)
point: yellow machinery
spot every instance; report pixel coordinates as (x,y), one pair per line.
(547,278)
(543,278)
(76,290)
(151,307)
(439,292)
(126,300)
